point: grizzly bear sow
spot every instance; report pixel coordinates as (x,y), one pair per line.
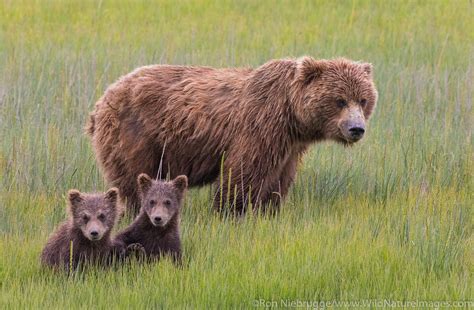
(156,228)
(255,124)
(85,236)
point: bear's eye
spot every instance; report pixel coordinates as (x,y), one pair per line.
(363,102)
(85,218)
(101,217)
(167,202)
(152,202)
(341,103)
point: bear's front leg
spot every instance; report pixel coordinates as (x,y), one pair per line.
(240,189)
(279,190)
(137,250)
(257,186)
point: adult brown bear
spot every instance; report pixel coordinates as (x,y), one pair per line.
(255,124)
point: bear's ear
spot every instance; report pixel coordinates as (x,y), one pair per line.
(309,69)
(111,195)
(181,182)
(368,68)
(144,183)
(75,197)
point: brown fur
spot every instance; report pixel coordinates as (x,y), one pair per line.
(160,200)
(259,122)
(89,214)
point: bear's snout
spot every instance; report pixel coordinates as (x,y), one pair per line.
(352,130)
(352,124)
(159,217)
(357,132)
(94,231)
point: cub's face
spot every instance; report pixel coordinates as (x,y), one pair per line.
(334,99)
(94,214)
(161,200)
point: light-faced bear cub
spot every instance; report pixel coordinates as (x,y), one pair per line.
(85,236)
(156,227)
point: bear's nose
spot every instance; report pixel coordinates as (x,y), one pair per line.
(94,233)
(357,132)
(157,219)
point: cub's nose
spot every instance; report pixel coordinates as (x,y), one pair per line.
(357,132)
(94,233)
(157,219)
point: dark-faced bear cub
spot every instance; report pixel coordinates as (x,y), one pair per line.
(156,227)
(85,236)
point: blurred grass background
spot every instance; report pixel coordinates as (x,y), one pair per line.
(390,218)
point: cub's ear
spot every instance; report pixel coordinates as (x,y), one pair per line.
(74,196)
(368,68)
(111,195)
(144,183)
(309,69)
(181,182)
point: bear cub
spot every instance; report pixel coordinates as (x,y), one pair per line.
(156,228)
(85,236)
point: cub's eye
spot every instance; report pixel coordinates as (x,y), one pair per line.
(341,103)
(85,218)
(101,217)
(167,202)
(152,202)
(363,102)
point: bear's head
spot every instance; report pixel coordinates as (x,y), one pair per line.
(161,200)
(333,99)
(94,214)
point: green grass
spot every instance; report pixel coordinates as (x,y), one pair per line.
(390,218)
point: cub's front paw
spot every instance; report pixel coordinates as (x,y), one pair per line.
(136,249)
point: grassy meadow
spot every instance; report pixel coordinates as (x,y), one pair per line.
(388,219)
